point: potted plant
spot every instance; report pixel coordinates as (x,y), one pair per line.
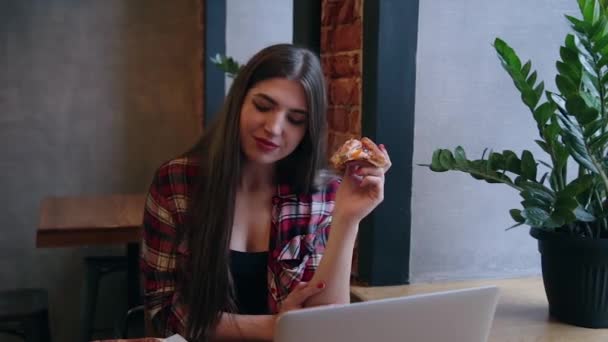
(226,64)
(567,212)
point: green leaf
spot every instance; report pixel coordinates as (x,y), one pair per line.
(516,215)
(573,139)
(601,41)
(578,25)
(566,203)
(591,83)
(586,63)
(592,127)
(507,54)
(460,156)
(598,28)
(512,163)
(530,196)
(532,79)
(598,143)
(577,186)
(530,98)
(559,217)
(568,56)
(227,64)
(496,161)
(528,165)
(590,100)
(446,159)
(535,202)
(543,113)
(525,70)
(583,215)
(590,12)
(604,60)
(561,155)
(539,92)
(575,105)
(552,130)
(543,145)
(543,178)
(514,226)
(535,217)
(535,189)
(568,71)
(436,163)
(581,5)
(604,79)
(565,85)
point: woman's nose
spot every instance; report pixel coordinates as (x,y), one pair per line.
(274,123)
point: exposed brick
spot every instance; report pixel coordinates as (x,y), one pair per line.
(347,37)
(338,119)
(341,42)
(358,9)
(325,40)
(345,91)
(342,38)
(340,12)
(344,119)
(329,12)
(355,121)
(346,15)
(347,65)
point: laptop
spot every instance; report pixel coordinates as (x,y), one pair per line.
(457,316)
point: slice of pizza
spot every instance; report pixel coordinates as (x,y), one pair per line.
(358,150)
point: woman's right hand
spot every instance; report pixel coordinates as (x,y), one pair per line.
(296,299)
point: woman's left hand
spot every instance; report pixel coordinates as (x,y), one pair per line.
(361,191)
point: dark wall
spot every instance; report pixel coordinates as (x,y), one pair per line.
(94,95)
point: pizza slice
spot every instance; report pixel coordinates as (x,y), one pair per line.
(358,150)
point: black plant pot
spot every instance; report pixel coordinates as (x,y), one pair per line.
(575,274)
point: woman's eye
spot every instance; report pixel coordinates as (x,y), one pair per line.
(296,121)
(261,108)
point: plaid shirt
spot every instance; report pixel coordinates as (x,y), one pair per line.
(299,230)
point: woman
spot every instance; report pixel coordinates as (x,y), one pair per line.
(237,229)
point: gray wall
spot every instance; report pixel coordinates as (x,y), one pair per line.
(463,97)
(94,95)
(254,24)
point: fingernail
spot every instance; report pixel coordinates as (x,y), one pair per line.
(321,285)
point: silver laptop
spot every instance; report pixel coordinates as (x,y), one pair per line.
(456,316)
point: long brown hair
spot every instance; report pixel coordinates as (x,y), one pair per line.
(206,282)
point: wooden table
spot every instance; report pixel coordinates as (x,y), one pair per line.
(96,220)
(521,315)
(90,220)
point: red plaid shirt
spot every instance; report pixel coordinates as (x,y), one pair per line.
(298,235)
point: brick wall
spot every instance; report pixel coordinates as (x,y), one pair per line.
(341,44)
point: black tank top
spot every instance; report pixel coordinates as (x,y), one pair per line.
(250,281)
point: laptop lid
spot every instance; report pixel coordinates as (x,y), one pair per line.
(457,316)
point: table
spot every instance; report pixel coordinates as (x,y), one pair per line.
(521,314)
(90,220)
(96,220)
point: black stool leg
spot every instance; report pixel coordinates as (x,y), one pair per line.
(89,302)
